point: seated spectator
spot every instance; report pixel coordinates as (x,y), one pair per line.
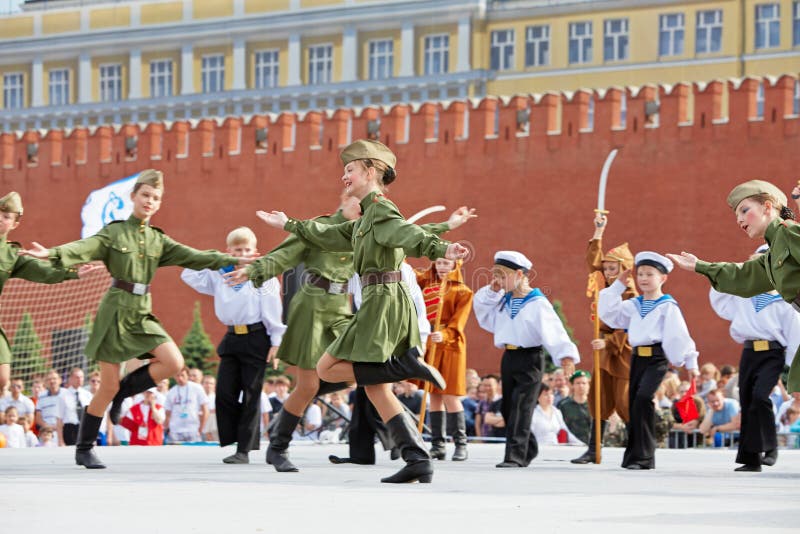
(548,423)
(708,379)
(48,405)
(311,423)
(779,395)
(196,375)
(473,378)
(575,408)
(47,437)
(790,420)
(560,387)
(616,433)
(669,391)
(282,384)
(410,395)
(187,409)
(14,433)
(729,381)
(333,420)
(23,404)
(26,421)
(470,404)
(723,415)
(488,416)
(145,420)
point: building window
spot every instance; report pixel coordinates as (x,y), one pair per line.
(437,54)
(760,101)
(708,37)
(13,91)
(796,24)
(768,26)
(213,73)
(623,110)
(320,64)
(670,35)
(590,114)
(110,83)
(580,42)
(59,87)
(502,52)
(160,78)
(266,69)
(537,46)
(615,40)
(796,103)
(381,59)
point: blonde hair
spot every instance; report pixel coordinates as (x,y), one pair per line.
(710,368)
(672,385)
(239,235)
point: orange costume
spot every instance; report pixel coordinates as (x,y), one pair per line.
(451,354)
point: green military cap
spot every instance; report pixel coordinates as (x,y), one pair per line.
(578,374)
(368,149)
(151,177)
(752,188)
(11,203)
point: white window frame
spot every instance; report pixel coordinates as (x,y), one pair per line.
(14,90)
(705,43)
(617,42)
(161,78)
(212,73)
(759,102)
(501,54)
(110,82)
(58,87)
(673,27)
(320,64)
(623,110)
(767,28)
(590,114)
(437,54)
(267,68)
(796,23)
(381,59)
(796,99)
(581,35)
(537,49)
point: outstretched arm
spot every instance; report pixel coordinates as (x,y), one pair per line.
(742,279)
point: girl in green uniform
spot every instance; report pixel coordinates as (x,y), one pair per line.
(761,211)
(125,327)
(381,344)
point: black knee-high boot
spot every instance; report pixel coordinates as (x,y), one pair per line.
(396,369)
(438,450)
(279,438)
(457,427)
(418,462)
(589,457)
(87,436)
(133,383)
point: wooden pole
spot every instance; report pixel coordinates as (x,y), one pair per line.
(596,282)
(429,359)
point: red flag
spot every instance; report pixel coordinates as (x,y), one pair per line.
(686,407)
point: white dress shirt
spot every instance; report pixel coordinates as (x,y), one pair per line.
(243,304)
(68,409)
(23,404)
(536,324)
(663,324)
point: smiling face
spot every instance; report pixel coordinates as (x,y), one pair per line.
(359,180)
(146,201)
(753,216)
(649,279)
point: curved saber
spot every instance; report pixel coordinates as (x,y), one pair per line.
(427,211)
(601,192)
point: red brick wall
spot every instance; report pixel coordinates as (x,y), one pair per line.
(534,192)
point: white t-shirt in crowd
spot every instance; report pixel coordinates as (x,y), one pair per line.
(184,404)
(15,436)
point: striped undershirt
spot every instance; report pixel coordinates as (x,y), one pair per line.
(761,301)
(516,305)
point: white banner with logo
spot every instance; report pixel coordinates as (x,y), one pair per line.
(111,203)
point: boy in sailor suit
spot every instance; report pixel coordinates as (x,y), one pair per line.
(769,329)
(659,337)
(255,329)
(523,322)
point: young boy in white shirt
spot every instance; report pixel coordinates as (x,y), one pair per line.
(14,433)
(255,329)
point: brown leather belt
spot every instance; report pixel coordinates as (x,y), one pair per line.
(329,286)
(131,287)
(388,277)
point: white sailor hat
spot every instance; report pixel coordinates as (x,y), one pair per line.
(762,249)
(513,260)
(653,259)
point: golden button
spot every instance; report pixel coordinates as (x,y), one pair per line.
(141,242)
(141,255)
(343,258)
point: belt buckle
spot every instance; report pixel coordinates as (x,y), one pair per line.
(512,347)
(760,345)
(139,289)
(240,329)
(644,351)
(336,288)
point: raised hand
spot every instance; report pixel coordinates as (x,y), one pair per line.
(460,216)
(625,276)
(456,251)
(36,251)
(685,260)
(234,278)
(276,219)
(271,357)
(600,220)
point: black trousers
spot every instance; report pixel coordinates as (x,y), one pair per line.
(646,375)
(243,360)
(521,373)
(70,432)
(758,374)
(365,424)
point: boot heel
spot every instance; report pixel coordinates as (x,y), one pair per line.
(426,479)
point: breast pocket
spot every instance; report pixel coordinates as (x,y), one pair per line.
(780,259)
(119,257)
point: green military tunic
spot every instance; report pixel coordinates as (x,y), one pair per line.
(386,324)
(12,265)
(132,250)
(778,269)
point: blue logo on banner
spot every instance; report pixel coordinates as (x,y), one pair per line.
(113,203)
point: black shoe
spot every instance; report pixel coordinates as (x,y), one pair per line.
(505,465)
(133,383)
(636,467)
(84,447)
(279,439)
(770,457)
(749,468)
(438,450)
(587,457)
(347,460)
(409,442)
(457,427)
(238,458)
(397,369)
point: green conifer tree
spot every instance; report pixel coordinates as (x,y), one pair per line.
(26,348)
(197,348)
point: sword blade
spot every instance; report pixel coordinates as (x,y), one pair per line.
(601,192)
(427,211)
